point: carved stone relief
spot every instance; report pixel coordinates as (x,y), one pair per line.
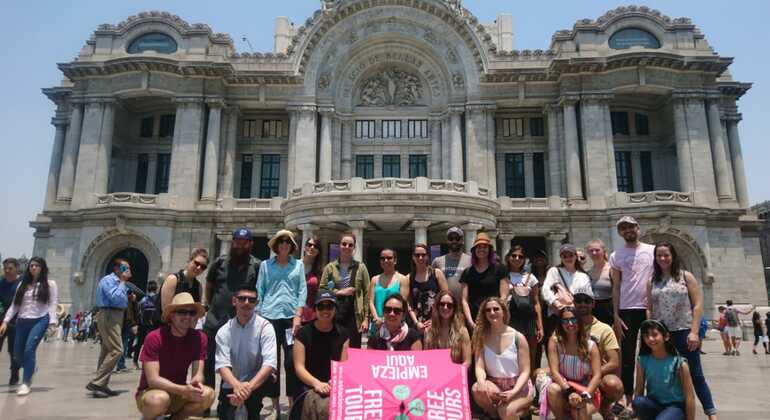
(391,87)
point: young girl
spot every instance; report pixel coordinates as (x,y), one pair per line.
(669,389)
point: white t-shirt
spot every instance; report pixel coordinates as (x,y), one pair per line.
(636,268)
(522,279)
(573,281)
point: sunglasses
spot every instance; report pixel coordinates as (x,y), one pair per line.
(249,299)
(386,258)
(186,312)
(492,309)
(392,310)
(283,241)
(517,257)
(347,245)
(324,306)
(446,305)
(454,238)
(311,245)
(569,321)
(200,265)
(582,299)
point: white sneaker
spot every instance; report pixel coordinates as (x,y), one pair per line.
(23,390)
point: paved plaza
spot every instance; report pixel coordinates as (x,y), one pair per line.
(58,391)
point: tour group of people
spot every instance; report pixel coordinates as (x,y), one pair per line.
(250,320)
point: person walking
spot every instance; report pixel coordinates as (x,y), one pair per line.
(225,276)
(447,329)
(282,294)
(147,308)
(674,298)
(601,282)
(8,285)
(311,260)
(34,306)
(349,280)
(111,301)
(128,331)
(482,279)
(65,327)
(631,268)
(246,357)
(454,262)
(387,283)
(759,332)
(521,290)
(733,328)
(424,285)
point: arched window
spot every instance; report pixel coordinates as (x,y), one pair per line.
(632,37)
(156,41)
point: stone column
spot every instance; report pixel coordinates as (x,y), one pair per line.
(700,147)
(211,164)
(739,172)
(505,239)
(152,169)
(554,154)
(70,154)
(225,241)
(230,151)
(420,231)
(683,154)
(336,148)
(529,175)
(92,174)
(571,150)
(721,164)
(470,229)
(636,170)
(357,227)
(554,241)
(184,175)
(56,160)
(308,230)
(305,145)
(291,164)
(435,148)
(480,145)
(446,148)
(456,146)
(500,164)
(325,151)
(598,148)
(347,149)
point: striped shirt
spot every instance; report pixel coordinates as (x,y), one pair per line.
(572,367)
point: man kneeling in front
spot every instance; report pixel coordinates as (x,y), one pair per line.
(167,355)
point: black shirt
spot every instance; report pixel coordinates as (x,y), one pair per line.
(321,348)
(377,343)
(226,278)
(482,285)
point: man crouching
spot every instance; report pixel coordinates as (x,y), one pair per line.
(166,357)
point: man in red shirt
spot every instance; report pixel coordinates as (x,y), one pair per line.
(166,357)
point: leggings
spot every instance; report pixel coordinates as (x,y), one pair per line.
(633,319)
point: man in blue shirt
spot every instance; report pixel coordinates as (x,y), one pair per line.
(111,301)
(8,286)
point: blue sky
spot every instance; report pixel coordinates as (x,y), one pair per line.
(38,34)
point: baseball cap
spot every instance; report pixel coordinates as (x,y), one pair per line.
(568,248)
(242,233)
(627,219)
(326,295)
(585,290)
(456,231)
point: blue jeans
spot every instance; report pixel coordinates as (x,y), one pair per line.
(679,339)
(648,409)
(128,339)
(29,332)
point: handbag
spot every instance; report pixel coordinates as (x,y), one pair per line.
(563,295)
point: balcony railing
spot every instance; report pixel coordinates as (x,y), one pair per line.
(658,197)
(390,185)
(129,199)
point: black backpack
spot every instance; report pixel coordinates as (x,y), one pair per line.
(147,308)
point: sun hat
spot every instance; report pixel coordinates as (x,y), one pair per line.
(482,239)
(282,234)
(183,300)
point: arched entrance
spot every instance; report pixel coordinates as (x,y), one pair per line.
(140,267)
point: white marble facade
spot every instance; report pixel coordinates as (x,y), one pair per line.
(397,119)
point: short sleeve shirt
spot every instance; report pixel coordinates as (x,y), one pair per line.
(636,267)
(321,348)
(453,270)
(603,335)
(482,285)
(226,277)
(174,354)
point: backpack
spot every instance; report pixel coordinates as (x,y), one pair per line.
(147,308)
(732,317)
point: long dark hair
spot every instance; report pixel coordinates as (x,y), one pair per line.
(316,267)
(413,265)
(584,352)
(654,324)
(510,253)
(41,292)
(675,266)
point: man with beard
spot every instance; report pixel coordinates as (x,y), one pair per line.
(454,262)
(631,268)
(225,277)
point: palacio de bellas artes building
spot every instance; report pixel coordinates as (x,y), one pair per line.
(396,119)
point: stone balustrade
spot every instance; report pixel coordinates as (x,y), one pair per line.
(623,199)
(390,185)
(545,203)
(257,203)
(127,199)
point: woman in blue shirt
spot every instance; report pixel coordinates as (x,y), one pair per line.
(282,294)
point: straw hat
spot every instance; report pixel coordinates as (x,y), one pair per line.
(180,301)
(282,234)
(482,239)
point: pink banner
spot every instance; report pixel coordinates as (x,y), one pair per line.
(399,385)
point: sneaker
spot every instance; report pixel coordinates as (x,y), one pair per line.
(23,390)
(737,353)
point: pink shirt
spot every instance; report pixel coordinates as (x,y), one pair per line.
(31,308)
(636,268)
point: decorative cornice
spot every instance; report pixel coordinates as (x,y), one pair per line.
(734,89)
(622,12)
(179,24)
(709,64)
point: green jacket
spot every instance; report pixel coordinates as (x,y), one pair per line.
(360,276)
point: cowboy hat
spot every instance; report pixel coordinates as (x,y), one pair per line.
(183,300)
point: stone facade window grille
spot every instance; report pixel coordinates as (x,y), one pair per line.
(391,129)
(536,127)
(249,129)
(166,125)
(538,174)
(633,37)
(146,127)
(391,166)
(645,159)
(247,170)
(156,41)
(162,173)
(365,166)
(514,175)
(619,122)
(642,124)
(623,171)
(270,179)
(513,127)
(418,166)
(417,129)
(365,129)
(142,167)
(272,129)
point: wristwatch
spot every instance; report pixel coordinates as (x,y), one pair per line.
(586,395)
